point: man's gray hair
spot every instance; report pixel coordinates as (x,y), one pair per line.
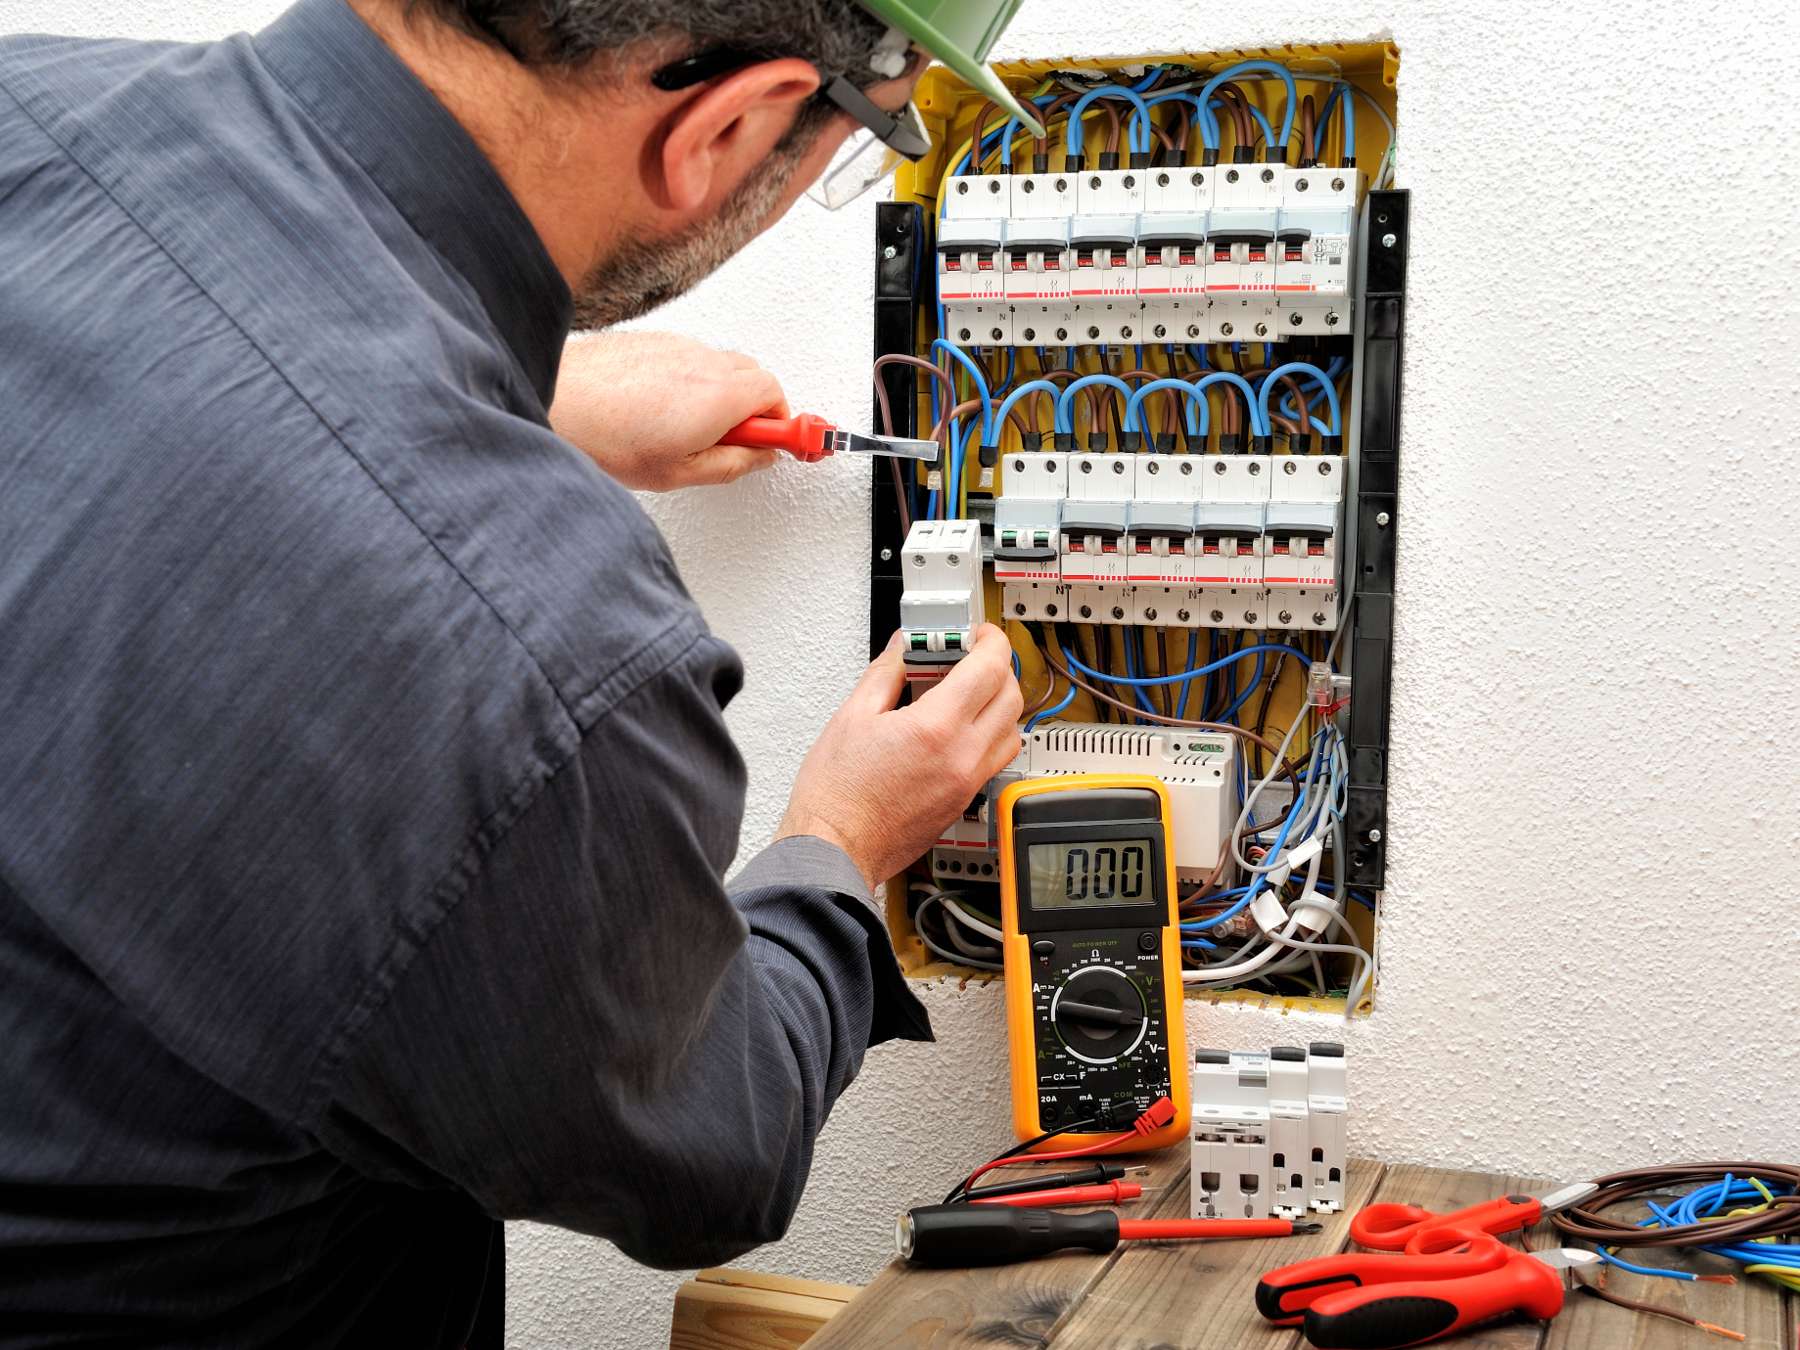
(837,35)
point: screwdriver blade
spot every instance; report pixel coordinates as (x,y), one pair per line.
(900,447)
(1565,1258)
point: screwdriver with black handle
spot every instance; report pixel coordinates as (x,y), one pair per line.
(995,1235)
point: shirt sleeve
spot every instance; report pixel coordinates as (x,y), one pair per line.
(600,1035)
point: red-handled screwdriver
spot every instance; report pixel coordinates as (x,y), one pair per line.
(992,1235)
(810,438)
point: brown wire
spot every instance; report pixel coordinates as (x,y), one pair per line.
(975,135)
(1185,132)
(1239,108)
(1307,121)
(887,423)
(1041,145)
(1586,1223)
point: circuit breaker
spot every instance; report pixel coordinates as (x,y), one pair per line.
(942,604)
(1290,1137)
(1230,1176)
(1325,1106)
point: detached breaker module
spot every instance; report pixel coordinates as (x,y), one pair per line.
(1268,1132)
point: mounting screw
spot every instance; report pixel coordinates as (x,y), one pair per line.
(998,333)
(993,185)
(1094,182)
(1049,466)
(1225,330)
(1255,467)
(1389,240)
(963,333)
(1019,607)
(1193,330)
(1286,616)
(1198,180)
(1030,333)
(1187,466)
(1337,185)
(1093,332)
(1017,466)
(890,253)
(954,560)
(1219,466)
(1231,175)
(962,187)
(1062,185)
(1182,615)
(1319,617)
(918,560)
(1086,612)
(1295,320)
(1130,181)
(1299,184)
(1268,175)
(1087,466)
(1262,330)
(1218,616)
(887,555)
(1331,319)
(1117,613)
(1050,610)
(1288,466)
(1151,466)
(1325,467)
(1250,616)
(1118,466)
(1382,518)
(1161,331)
(1030,185)
(1149,616)
(1062,335)
(1374,836)
(1162,180)
(1125,332)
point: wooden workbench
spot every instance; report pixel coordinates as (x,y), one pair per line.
(1198,1296)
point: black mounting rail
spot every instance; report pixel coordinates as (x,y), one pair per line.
(1384,240)
(899,263)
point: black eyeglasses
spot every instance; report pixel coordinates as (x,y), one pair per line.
(902,132)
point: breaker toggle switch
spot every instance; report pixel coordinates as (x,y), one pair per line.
(1103,285)
(1314,257)
(1162,563)
(1229,566)
(1300,564)
(1037,282)
(1172,276)
(1094,560)
(942,603)
(1027,557)
(972,282)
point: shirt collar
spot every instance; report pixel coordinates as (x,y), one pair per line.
(367,100)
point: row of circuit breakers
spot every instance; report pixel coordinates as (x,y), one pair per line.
(1225,253)
(1268,1132)
(1182,541)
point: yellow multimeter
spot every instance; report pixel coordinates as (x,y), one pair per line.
(1088,909)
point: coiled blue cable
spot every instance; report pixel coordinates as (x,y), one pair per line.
(1259,417)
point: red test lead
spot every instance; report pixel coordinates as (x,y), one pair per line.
(1106,1193)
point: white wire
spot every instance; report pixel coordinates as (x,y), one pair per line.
(957,958)
(953,905)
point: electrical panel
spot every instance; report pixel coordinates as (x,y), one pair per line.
(1261,1139)
(1166,342)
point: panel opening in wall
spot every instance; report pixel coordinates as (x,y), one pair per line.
(1213,221)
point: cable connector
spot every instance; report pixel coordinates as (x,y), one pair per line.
(1324,686)
(1160,1116)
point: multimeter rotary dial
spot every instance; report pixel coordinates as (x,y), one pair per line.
(1100,1014)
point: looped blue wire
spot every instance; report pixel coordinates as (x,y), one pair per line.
(1339,90)
(1182,96)
(1245,68)
(1259,417)
(1007,404)
(1291,409)
(1053,709)
(1196,424)
(1065,405)
(981,384)
(1072,142)
(1180,676)
(1306,368)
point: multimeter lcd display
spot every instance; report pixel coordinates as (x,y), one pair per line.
(1092,874)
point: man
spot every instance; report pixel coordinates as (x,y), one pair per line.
(364,788)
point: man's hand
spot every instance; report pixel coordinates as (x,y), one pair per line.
(882,782)
(649,408)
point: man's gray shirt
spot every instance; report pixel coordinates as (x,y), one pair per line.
(364,785)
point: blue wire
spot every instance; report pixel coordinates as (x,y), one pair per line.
(1012,399)
(1701,1203)
(1146,681)
(1150,77)
(1244,68)
(1065,403)
(1188,688)
(1250,688)
(1073,141)
(981,384)
(953,478)
(1205,382)
(1053,710)
(1338,91)
(1134,662)
(1332,371)
(1305,368)
(1196,420)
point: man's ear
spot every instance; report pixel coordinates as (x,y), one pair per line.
(715,141)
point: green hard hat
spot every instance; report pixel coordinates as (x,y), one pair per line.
(960,33)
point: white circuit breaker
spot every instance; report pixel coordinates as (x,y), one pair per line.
(1033,487)
(1290,1141)
(1228,538)
(1037,280)
(1110,192)
(1105,307)
(1314,258)
(1163,557)
(941,603)
(1326,1090)
(1302,528)
(1172,276)
(986,196)
(1230,1159)
(972,282)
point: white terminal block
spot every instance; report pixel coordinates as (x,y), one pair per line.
(1110,192)
(1172,276)
(1235,478)
(1300,564)
(1230,1158)
(1315,257)
(978,196)
(1326,1091)
(1037,281)
(1290,1140)
(941,603)
(1228,573)
(1043,196)
(1039,474)
(1028,555)
(1306,478)
(1103,285)
(1095,477)
(1179,190)
(972,282)
(1198,768)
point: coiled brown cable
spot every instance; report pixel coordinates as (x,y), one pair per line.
(1586,1223)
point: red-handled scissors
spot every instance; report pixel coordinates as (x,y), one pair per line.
(810,438)
(1385,1301)
(1393,1228)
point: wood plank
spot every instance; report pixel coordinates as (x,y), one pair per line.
(746,1313)
(1200,1295)
(1753,1306)
(1443,1191)
(787,1284)
(1014,1305)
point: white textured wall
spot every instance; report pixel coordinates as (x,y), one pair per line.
(1589,944)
